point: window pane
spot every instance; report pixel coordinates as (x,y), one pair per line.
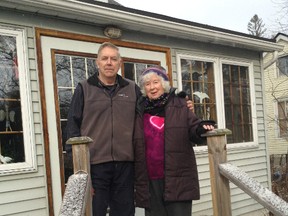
(283,118)
(63,68)
(91,66)
(283,65)
(198,83)
(79,69)
(129,71)
(65,97)
(238,116)
(133,69)
(11,135)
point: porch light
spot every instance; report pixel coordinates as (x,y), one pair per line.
(112,32)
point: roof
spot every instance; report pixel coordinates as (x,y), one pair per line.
(101,13)
(281,36)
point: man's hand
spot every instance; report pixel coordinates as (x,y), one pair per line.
(190,104)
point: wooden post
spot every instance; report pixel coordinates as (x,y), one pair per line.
(81,162)
(220,189)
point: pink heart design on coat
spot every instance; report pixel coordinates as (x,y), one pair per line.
(157,121)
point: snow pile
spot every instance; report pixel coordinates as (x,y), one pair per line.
(252,187)
(73,203)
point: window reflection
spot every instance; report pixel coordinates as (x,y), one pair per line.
(11,136)
(198,83)
(133,70)
(238,114)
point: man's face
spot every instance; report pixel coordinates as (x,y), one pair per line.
(108,62)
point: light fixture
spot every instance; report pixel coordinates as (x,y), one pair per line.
(112,32)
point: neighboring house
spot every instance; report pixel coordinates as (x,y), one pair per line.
(276,88)
(48,46)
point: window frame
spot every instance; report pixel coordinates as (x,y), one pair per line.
(219,96)
(277,127)
(29,165)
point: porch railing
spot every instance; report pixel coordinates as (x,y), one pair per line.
(221,173)
(77,200)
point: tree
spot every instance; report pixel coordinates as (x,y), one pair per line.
(256,26)
(282,18)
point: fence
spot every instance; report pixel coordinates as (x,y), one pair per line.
(221,173)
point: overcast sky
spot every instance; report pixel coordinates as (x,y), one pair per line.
(228,14)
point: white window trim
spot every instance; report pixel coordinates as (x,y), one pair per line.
(219,95)
(26,105)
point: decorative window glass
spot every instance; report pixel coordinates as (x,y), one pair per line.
(237,102)
(282,65)
(283,118)
(16,142)
(207,80)
(198,82)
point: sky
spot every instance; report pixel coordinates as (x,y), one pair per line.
(228,14)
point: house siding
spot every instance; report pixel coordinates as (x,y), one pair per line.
(277,86)
(26,194)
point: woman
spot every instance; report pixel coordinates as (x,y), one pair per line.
(165,165)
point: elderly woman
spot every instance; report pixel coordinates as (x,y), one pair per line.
(166,177)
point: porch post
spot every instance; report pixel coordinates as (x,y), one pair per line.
(217,154)
(81,162)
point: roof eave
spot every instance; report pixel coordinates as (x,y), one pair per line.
(99,14)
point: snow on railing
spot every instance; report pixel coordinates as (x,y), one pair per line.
(262,195)
(75,196)
(222,172)
(77,200)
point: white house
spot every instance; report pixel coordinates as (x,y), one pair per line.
(48,46)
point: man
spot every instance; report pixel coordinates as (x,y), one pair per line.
(103,108)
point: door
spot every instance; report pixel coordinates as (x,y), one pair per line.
(65,63)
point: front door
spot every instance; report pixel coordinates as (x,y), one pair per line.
(65,63)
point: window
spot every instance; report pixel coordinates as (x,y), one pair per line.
(207,80)
(237,102)
(16,132)
(198,82)
(283,118)
(282,65)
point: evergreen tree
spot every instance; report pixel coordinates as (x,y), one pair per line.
(256,26)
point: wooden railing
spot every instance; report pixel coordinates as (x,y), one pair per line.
(77,200)
(221,173)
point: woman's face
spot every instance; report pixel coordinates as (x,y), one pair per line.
(153,87)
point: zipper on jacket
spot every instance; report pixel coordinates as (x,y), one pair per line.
(112,131)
